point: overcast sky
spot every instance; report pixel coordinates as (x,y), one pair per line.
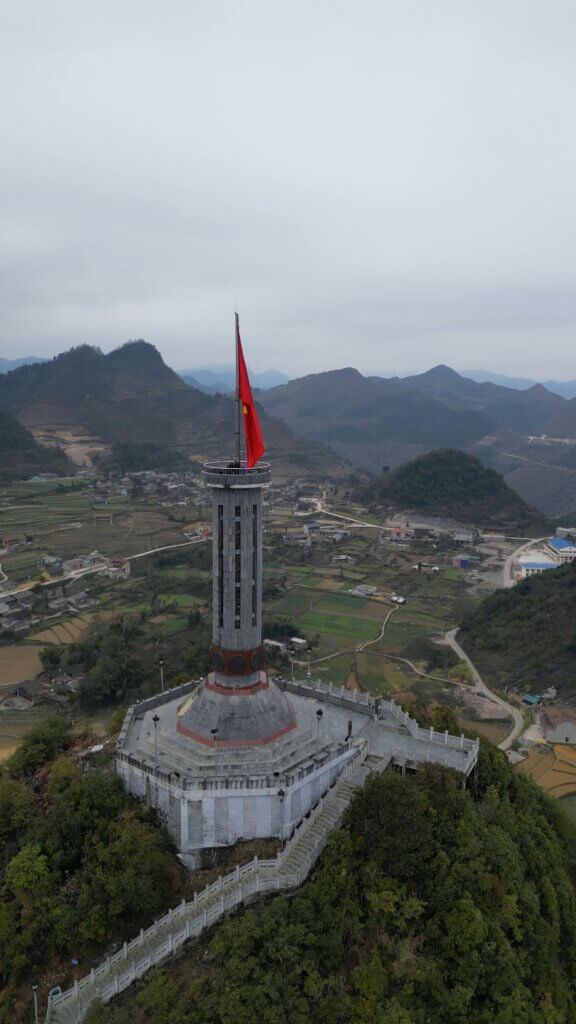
(387,184)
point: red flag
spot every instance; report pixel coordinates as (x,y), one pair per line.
(254,441)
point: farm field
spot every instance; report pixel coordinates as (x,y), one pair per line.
(64,525)
(20,662)
(69,630)
(13,728)
(345,627)
(554,771)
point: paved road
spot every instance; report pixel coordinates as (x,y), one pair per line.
(480,686)
(347,519)
(507,571)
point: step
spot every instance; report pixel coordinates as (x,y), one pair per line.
(305,846)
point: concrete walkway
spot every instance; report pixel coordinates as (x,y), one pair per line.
(480,686)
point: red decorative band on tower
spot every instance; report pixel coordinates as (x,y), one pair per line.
(237,663)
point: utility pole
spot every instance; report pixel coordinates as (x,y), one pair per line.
(162,674)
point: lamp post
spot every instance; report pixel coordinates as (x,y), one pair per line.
(35,992)
(319,714)
(161,663)
(214,734)
(156,719)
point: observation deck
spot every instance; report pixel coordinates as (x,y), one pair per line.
(230,474)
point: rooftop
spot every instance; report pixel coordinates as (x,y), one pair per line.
(560,544)
(539,565)
(551,717)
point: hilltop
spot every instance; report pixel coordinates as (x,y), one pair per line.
(453,484)
(525,411)
(525,637)
(431,905)
(376,421)
(131,396)
(22,456)
(365,418)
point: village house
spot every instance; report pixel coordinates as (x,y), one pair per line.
(558,724)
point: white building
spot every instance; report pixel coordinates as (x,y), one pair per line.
(523,569)
(562,550)
(558,724)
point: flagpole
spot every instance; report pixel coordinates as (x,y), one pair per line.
(238,411)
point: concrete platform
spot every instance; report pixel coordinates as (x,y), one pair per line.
(210,796)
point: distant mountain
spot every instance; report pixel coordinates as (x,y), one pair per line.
(193,383)
(21,456)
(375,422)
(131,396)
(222,379)
(524,411)
(371,420)
(565,388)
(524,638)
(455,485)
(13,364)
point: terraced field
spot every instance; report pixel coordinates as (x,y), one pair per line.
(555,771)
(71,629)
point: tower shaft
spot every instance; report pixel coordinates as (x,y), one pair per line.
(237,706)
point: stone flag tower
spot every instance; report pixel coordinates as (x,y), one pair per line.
(237,706)
(234,756)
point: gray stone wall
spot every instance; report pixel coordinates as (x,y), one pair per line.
(199,819)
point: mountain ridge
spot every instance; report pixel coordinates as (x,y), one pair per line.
(130,395)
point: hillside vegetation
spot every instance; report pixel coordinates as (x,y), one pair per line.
(20,454)
(81,864)
(451,483)
(131,397)
(357,414)
(525,637)
(432,906)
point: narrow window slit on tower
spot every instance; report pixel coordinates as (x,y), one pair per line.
(220,565)
(254,563)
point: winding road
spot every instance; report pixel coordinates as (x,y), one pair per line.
(479,685)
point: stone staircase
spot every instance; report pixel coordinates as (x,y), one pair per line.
(241,887)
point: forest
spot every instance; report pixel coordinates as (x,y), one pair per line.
(81,863)
(449,482)
(433,905)
(525,637)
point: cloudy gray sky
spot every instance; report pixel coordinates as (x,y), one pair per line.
(387,184)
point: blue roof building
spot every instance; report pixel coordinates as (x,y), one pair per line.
(562,550)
